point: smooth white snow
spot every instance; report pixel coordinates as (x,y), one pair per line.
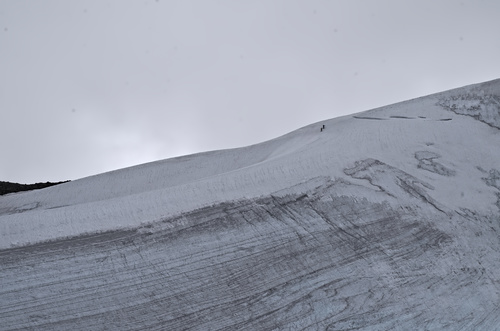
(132,197)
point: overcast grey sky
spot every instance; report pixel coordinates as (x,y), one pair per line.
(92,86)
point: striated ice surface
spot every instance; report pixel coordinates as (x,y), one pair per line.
(385,220)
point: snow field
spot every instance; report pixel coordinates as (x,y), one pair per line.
(131,197)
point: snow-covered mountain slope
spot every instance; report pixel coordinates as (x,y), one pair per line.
(398,135)
(386,219)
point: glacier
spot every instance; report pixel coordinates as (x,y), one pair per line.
(388,219)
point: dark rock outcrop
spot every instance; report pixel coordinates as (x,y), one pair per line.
(8,187)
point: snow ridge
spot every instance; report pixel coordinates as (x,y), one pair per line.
(383,220)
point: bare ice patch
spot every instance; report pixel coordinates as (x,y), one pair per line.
(484,108)
(427,161)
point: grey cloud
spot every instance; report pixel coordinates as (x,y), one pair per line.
(155,79)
